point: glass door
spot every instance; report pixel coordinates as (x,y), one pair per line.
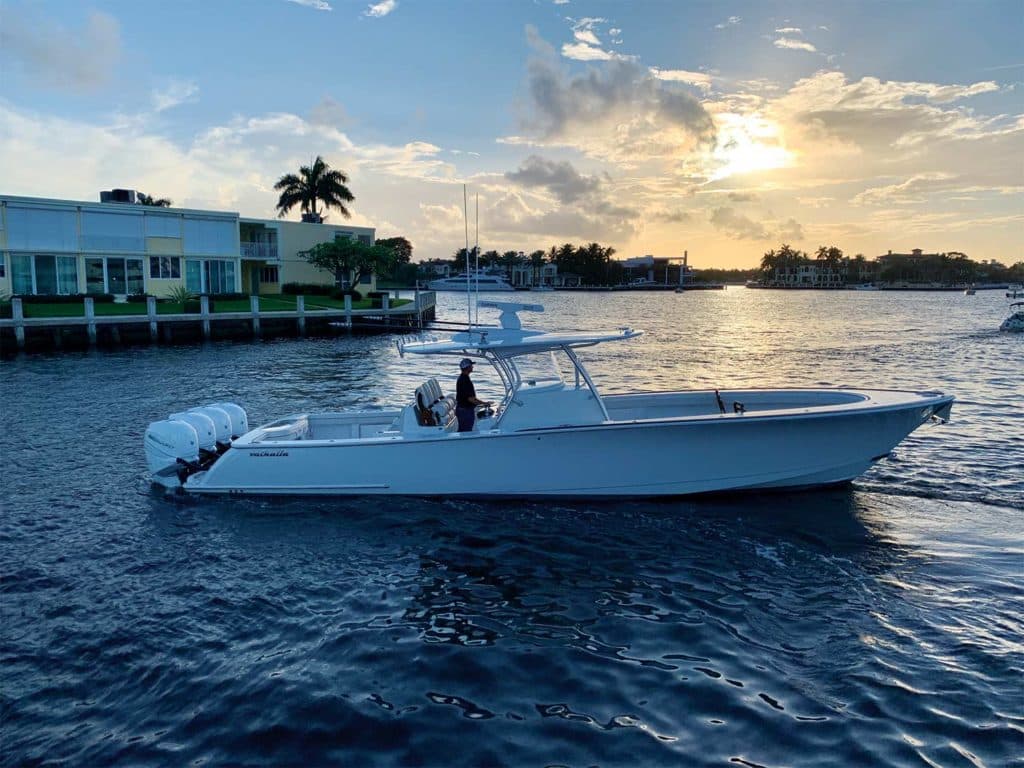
(116,282)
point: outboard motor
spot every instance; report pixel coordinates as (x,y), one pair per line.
(171,446)
(239,418)
(206,432)
(221,424)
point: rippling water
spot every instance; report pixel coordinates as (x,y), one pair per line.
(877,624)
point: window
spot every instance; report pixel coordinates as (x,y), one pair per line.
(211,236)
(268,275)
(103,231)
(164,267)
(209,276)
(3,266)
(114,275)
(365,279)
(163,225)
(39,228)
(364,239)
(342,236)
(44,274)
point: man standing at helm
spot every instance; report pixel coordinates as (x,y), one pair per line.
(466,400)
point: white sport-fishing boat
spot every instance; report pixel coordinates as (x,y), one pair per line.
(477,281)
(549,436)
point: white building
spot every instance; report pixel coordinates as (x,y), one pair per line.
(52,246)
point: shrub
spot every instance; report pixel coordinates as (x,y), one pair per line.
(72,298)
(179,294)
(341,293)
(228,296)
(138,298)
(307,289)
(376,298)
(5,310)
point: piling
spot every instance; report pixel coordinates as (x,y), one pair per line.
(90,316)
(19,322)
(385,304)
(300,309)
(204,313)
(154,335)
(254,305)
(348,310)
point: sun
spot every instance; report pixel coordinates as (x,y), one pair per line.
(746,144)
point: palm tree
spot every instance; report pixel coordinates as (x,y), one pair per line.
(143,199)
(316,183)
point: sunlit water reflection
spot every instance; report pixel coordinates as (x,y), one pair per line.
(877,624)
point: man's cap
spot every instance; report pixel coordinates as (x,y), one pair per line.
(465,363)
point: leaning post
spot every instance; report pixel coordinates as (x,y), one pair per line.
(151,314)
(254,305)
(385,304)
(90,316)
(18,315)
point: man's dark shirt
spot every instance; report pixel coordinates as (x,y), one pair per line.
(464,390)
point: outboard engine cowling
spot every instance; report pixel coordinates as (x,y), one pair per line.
(221,422)
(206,432)
(239,418)
(166,442)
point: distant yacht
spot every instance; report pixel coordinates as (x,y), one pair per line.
(483,281)
(866,287)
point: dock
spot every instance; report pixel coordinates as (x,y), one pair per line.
(90,330)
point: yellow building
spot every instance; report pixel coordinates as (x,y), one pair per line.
(52,246)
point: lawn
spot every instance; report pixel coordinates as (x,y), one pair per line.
(275,303)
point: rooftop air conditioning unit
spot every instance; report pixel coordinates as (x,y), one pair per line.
(118,196)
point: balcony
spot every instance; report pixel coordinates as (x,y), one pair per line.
(259,251)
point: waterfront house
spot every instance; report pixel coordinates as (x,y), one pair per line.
(50,246)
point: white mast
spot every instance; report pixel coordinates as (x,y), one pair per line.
(469,297)
(477,258)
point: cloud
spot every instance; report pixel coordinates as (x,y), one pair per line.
(584,52)
(794,45)
(789,31)
(730,22)
(790,231)
(617,111)
(59,56)
(176,92)
(583,30)
(673,216)
(700,79)
(916,189)
(738,226)
(561,178)
(381,9)
(318,5)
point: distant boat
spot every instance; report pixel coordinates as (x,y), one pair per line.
(541,288)
(1015,322)
(866,287)
(1015,291)
(482,281)
(970,290)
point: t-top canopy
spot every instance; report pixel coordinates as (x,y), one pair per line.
(511,339)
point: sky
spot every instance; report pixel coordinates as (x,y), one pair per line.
(722,129)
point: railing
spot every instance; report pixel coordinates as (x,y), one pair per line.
(266,251)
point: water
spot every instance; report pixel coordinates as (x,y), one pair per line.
(878,624)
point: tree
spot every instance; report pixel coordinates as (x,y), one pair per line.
(350,257)
(316,183)
(401,247)
(537,263)
(143,199)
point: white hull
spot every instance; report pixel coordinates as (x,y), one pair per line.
(642,451)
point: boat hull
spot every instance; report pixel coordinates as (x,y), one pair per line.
(638,458)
